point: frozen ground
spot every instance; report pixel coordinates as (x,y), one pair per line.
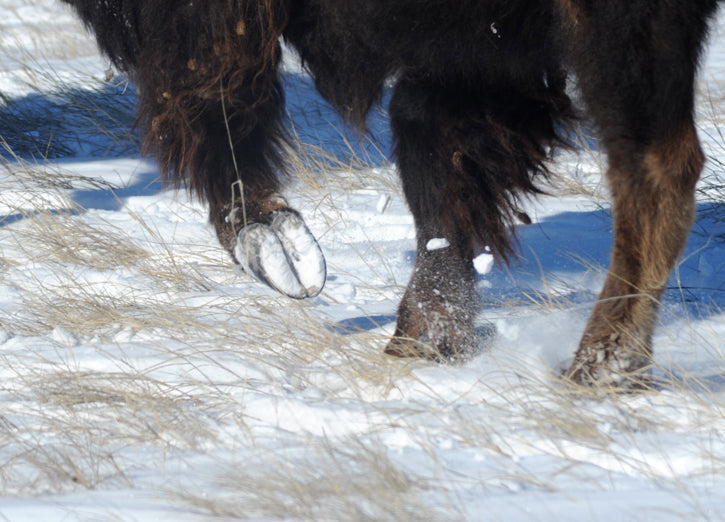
(143,378)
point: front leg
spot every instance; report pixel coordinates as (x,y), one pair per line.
(212,112)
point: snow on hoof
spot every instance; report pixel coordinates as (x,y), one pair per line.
(411,348)
(283,254)
(617,363)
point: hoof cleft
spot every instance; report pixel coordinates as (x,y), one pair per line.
(283,254)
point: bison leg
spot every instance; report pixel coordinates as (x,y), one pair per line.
(224,139)
(255,224)
(210,104)
(636,71)
(654,207)
(463,154)
(233,167)
(435,315)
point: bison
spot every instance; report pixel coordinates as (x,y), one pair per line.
(481,94)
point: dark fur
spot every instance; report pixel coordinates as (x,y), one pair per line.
(479,95)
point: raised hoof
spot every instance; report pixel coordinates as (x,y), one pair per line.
(283,254)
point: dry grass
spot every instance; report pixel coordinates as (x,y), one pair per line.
(182,355)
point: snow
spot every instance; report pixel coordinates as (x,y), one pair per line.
(143,377)
(483,263)
(437,243)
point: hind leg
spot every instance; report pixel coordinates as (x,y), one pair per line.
(637,80)
(212,112)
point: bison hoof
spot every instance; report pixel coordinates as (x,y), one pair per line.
(611,365)
(283,254)
(403,347)
(457,349)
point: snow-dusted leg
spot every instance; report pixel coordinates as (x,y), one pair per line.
(435,316)
(463,154)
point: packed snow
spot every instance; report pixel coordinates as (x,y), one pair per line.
(144,377)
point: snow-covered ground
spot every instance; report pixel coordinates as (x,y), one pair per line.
(143,378)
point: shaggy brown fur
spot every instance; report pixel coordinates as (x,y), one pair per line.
(478,97)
